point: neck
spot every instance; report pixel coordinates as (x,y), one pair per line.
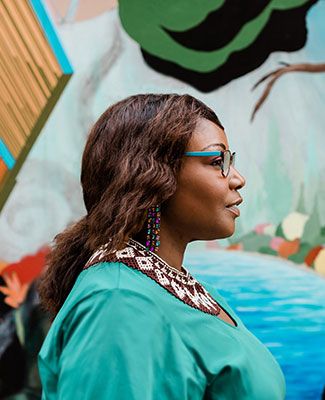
(172,245)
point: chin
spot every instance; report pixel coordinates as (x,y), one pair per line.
(227,232)
(220,235)
(225,236)
(222,232)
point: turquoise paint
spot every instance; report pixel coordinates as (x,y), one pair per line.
(6,155)
(283,305)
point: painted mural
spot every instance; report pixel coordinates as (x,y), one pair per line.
(260,67)
(199,45)
(34,71)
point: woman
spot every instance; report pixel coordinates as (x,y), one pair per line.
(130,320)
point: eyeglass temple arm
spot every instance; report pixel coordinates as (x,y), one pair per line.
(203,153)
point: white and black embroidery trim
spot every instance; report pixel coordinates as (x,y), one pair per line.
(181,284)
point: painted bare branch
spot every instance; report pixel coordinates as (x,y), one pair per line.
(275,75)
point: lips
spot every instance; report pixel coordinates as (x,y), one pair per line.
(234,210)
(232,206)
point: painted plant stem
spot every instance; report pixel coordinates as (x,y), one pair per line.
(274,75)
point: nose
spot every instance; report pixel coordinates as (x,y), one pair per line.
(236,180)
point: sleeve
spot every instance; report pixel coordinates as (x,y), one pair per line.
(118,345)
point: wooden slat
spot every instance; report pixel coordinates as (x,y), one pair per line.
(9,136)
(20,76)
(9,96)
(5,135)
(19,132)
(15,84)
(8,131)
(23,29)
(31,81)
(20,49)
(37,31)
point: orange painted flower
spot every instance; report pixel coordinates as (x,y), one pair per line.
(287,248)
(15,291)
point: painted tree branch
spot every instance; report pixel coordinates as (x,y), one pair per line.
(275,75)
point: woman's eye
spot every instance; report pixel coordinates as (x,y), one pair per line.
(217,162)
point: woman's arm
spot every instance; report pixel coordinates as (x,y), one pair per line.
(117,344)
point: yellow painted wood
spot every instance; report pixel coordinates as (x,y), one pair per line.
(31,81)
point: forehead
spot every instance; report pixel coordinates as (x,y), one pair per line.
(207,133)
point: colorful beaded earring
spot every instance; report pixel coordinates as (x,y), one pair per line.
(153,228)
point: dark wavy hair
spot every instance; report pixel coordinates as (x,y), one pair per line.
(130,162)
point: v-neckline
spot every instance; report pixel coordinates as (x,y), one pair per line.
(181,284)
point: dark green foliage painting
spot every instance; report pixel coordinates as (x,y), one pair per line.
(209,43)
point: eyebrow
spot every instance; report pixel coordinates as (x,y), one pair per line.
(213,145)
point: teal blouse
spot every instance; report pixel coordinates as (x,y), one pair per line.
(121,336)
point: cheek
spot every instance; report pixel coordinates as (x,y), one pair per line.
(198,208)
(203,195)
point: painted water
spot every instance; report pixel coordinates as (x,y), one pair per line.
(281,303)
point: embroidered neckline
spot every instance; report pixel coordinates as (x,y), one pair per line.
(180,284)
(135,243)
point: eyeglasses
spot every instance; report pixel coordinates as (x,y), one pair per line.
(228,158)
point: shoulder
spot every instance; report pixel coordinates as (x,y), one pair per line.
(107,290)
(98,312)
(106,277)
(108,283)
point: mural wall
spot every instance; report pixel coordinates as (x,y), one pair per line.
(260,67)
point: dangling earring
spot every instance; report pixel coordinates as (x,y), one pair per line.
(153,228)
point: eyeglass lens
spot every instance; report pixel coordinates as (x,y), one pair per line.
(228,159)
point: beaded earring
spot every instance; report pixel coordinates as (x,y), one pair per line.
(153,228)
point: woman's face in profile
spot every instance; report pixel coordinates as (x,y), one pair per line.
(198,208)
